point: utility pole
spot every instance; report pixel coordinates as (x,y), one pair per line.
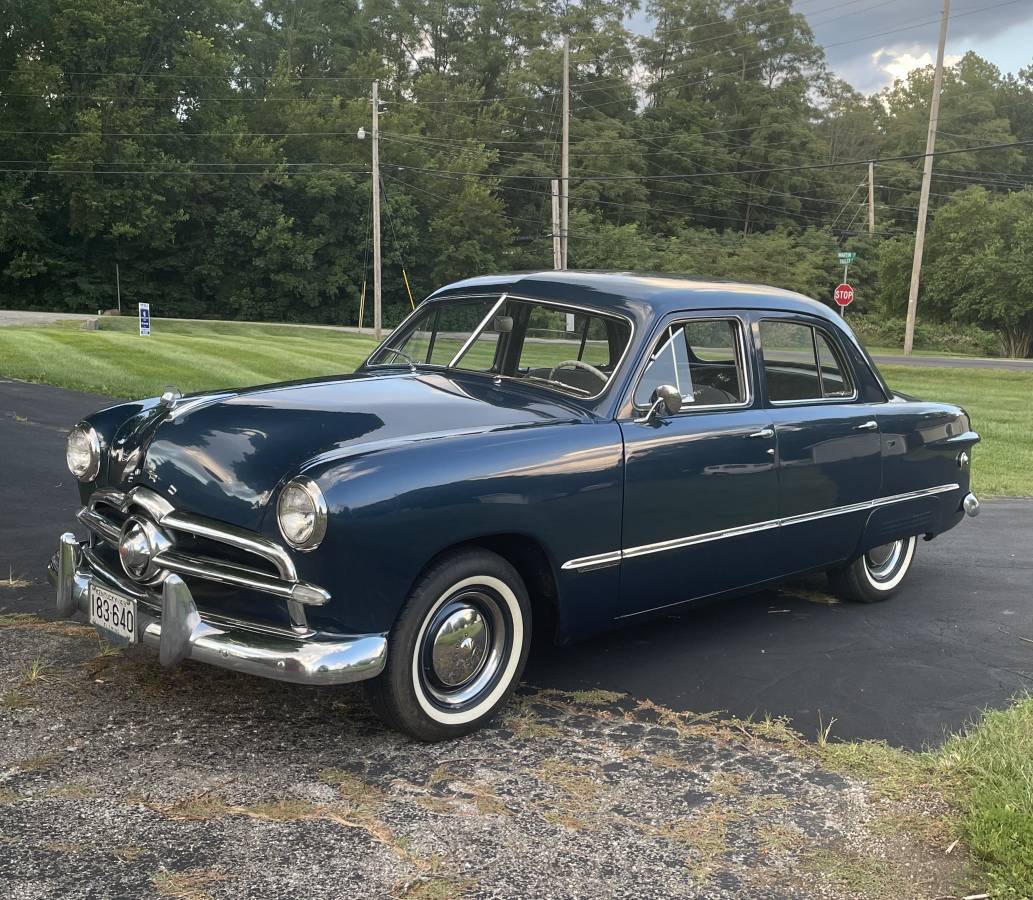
(118,290)
(557,241)
(565,157)
(871,198)
(927,177)
(377,324)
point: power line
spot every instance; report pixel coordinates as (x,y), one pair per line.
(445,199)
(801,168)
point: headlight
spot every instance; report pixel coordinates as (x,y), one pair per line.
(301,514)
(82,453)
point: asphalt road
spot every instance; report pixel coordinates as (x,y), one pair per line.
(954,362)
(957,639)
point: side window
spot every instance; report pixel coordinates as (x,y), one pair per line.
(834,380)
(800,363)
(702,358)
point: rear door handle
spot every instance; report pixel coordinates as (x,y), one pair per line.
(870,425)
(763,433)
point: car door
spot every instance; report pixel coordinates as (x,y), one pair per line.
(700,490)
(828,441)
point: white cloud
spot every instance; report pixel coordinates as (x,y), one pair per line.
(897,63)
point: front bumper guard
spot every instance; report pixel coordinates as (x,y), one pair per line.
(180,632)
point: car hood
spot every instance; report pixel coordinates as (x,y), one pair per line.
(223,455)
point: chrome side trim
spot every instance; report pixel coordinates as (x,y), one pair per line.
(591,563)
(688,541)
(914,495)
(614,557)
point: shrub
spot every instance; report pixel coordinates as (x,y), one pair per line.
(883,331)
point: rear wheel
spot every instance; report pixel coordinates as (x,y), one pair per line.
(877,575)
(457,650)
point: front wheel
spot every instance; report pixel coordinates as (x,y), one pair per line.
(457,650)
(877,575)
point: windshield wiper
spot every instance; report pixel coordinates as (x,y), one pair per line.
(559,384)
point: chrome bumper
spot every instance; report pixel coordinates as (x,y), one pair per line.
(179,632)
(970,504)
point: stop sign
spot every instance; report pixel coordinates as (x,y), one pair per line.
(844,295)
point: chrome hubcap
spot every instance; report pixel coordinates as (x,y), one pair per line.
(882,561)
(460,646)
(463,648)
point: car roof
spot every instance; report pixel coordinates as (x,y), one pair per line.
(641,295)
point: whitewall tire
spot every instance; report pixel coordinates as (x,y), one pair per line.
(877,575)
(458,648)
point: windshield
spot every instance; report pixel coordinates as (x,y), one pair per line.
(564,349)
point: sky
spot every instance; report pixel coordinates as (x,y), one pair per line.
(904,35)
(999,31)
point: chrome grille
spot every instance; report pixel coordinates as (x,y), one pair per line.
(205,549)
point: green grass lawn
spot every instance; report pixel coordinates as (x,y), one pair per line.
(194,356)
(1000,403)
(986,774)
(197,356)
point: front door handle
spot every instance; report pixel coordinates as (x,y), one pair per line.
(763,433)
(870,425)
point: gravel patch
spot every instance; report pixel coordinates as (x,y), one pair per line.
(121,779)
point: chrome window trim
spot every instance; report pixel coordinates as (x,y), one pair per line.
(366,364)
(509,295)
(744,363)
(592,310)
(477,332)
(615,557)
(836,349)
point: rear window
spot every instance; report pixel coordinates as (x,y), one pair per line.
(801,363)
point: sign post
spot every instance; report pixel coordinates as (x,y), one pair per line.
(145,319)
(845,257)
(843,296)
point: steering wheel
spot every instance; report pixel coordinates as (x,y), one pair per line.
(576,364)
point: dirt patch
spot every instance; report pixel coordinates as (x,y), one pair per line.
(120,778)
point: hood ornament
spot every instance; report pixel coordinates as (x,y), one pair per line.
(170,396)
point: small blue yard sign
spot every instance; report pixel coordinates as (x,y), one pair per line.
(145,319)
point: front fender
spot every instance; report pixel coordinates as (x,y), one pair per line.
(110,424)
(393,509)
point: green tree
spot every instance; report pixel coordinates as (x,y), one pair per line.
(979,265)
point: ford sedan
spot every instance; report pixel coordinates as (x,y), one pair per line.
(552,452)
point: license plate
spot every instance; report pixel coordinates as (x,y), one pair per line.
(113,613)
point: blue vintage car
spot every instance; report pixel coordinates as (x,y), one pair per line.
(565,450)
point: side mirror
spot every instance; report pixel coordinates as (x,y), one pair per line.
(670,396)
(666,398)
(503,324)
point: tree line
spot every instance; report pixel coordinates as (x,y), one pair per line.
(211,150)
